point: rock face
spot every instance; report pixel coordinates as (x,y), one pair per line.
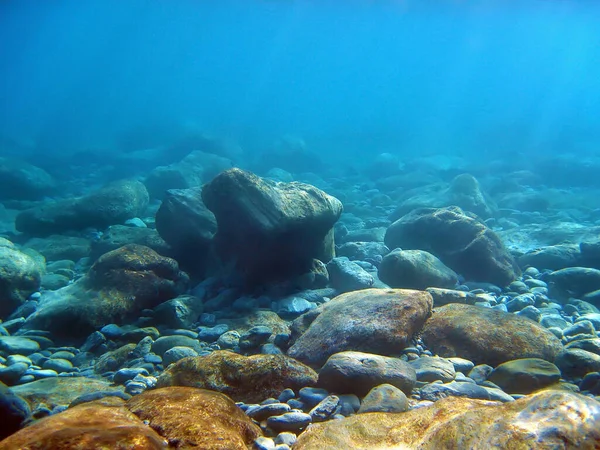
(380,321)
(95,425)
(23,181)
(195,418)
(545,421)
(462,243)
(120,284)
(272,230)
(487,336)
(186,224)
(113,204)
(358,373)
(243,378)
(20,276)
(192,171)
(415,269)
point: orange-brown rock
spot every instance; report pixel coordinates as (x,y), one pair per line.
(101,425)
(243,378)
(195,418)
(547,420)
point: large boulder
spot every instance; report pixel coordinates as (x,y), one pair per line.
(243,378)
(20,276)
(110,205)
(462,243)
(380,321)
(195,418)
(487,336)
(194,170)
(415,269)
(272,230)
(23,181)
(544,421)
(96,425)
(185,223)
(118,286)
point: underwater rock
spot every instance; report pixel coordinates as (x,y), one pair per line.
(23,181)
(195,418)
(186,224)
(292,154)
(119,285)
(271,230)
(380,321)
(462,243)
(415,269)
(179,312)
(20,276)
(13,410)
(545,421)
(346,275)
(445,296)
(101,424)
(362,250)
(57,391)
(243,378)
(117,236)
(524,376)
(553,257)
(384,398)
(576,362)
(574,282)
(58,247)
(192,171)
(465,192)
(487,336)
(111,205)
(358,373)
(431,369)
(436,391)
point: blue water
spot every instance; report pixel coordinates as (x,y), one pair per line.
(477,78)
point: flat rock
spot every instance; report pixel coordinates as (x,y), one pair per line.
(545,421)
(243,378)
(487,336)
(380,321)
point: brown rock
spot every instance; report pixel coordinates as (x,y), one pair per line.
(105,424)
(195,418)
(243,378)
(487,336)
(380,321)
(548,420)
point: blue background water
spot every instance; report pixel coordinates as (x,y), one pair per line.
(350,77)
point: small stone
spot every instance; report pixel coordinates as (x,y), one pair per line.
(18,345)
(123,375)
(311,397)
(432,368)
(325,409)
(292,421)
(59,365)
(286,394)
(264,443)
(176,353)
(10,375)
(262,412)
(211,334)
(461,364)
(524,376)
(286,438)
(93,341)
(230,339)
(480,373)
(384,398)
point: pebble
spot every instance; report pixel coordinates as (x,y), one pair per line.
(286,394)
(229,339)
(480,373)
(325,409)
(582,327)
(461,364)
(10,375)
(292,421)
(349,404)
(311,397)
(135,388)
(123,375)
(554,321)
(286,438)
(264,443)
(384,398)
(58,365)
(42,373)
(12,359)
(211,334)
(262,412)
(93,342)
(176,353)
